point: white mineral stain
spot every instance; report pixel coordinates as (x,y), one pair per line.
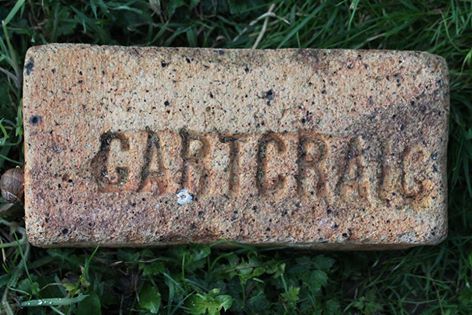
(184,197)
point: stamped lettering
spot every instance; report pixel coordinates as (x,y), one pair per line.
(110,176)
(312,177)
(154,175)
(270,145)
(398,174)
(233,142)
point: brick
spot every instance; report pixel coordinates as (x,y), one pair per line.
(328,149)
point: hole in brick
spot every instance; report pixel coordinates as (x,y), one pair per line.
(34,120)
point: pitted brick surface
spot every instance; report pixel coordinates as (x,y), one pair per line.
(333,149)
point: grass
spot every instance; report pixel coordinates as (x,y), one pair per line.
(202,279)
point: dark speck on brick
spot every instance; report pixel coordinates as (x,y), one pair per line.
(164,64)
(269,95)
(65,231)
(29,66)
(166,103)
(34,120)
(370,100)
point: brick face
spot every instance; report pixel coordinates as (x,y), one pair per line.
(329,149)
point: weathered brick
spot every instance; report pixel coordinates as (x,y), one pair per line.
(335,149)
